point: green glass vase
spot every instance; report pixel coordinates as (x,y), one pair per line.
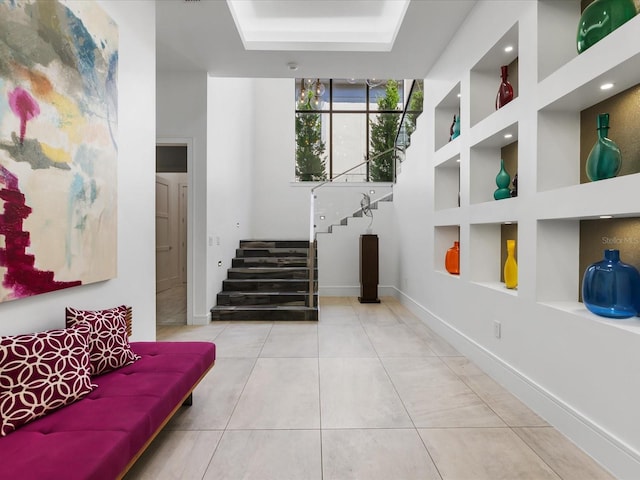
(601,18)
(604,160)
(503,179)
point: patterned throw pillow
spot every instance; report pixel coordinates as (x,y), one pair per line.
(41,372)
(109,345)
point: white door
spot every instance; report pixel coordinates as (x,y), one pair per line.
(182,208)
(163,235)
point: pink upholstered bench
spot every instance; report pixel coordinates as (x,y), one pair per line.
(102,435)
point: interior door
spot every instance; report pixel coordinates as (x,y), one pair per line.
(163,242)
(182,208)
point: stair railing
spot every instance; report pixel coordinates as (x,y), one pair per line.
(312,211)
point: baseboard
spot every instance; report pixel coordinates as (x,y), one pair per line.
(201,319)
(354,291)
(622,460)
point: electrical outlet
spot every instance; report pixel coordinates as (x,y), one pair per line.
(497,329)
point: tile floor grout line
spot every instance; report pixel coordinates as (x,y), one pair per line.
(534,451)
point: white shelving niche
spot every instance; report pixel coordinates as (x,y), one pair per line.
(444,237)
(488,246)
(485,76)
(444,117)
(485,159)
(447,184)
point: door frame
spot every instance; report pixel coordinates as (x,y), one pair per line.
(191,281)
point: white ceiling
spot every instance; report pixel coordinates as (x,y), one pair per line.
(201,35)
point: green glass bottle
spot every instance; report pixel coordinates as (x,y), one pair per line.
(604,160)
(503,179)
(601,18)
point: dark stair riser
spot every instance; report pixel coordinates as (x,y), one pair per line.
(244,262)
(269,273)
(262,298)
(274,244)
(237,313)
(254,285)
(271,252)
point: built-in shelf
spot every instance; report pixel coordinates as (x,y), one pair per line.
(488,253)
(447,184)
(485,76)
(485,159)
(444,117)
(575,85)
(565,138)
(444,236)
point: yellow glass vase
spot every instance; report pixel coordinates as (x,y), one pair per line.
(510,266)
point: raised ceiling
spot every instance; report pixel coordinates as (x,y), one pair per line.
(324,38)
(318,25)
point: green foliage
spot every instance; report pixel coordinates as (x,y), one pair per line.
(383,135)
(310,159)
(414,110)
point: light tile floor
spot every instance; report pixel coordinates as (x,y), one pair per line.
(368,392)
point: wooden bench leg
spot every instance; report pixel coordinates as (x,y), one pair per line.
(188,401)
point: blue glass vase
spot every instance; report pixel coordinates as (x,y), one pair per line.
(611,288)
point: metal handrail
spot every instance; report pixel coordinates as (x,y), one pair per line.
(395,147)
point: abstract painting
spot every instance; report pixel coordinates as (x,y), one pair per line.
(58,146)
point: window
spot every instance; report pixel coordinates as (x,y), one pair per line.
(340,123)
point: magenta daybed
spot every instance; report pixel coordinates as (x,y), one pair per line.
(100,436)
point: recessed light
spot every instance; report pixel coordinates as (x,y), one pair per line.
(508,48)
(508,223)
(606,86)
(371,192)
(606,216)
(459,95)
(322,217)
(292,66)
(508,135)
(458,160)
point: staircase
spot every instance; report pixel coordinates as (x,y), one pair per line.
(359,213)
(268,280)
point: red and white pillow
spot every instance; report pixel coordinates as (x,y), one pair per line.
(41,372)
(109,343)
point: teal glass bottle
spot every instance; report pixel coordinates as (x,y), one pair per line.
(604,160)
(601,18)
(502,181)
(455,128)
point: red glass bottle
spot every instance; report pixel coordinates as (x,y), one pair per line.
(505,92)
(452,259)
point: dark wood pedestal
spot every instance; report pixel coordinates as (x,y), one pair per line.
(368,269)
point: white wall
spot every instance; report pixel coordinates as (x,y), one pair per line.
(230,160)
(182,118)
(578,373)
(135,284)
(281,207)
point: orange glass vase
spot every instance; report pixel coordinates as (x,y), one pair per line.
(452,259)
